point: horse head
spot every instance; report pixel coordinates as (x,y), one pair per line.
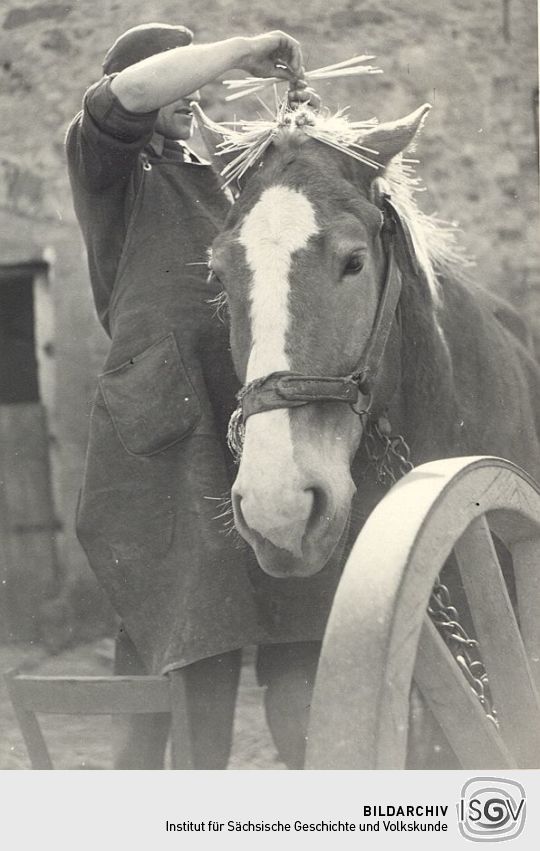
(303,260)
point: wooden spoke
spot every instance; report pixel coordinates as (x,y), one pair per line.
(503,653)
(476,743)
(378,639)
(526,559)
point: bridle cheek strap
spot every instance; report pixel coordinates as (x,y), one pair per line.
(291,390)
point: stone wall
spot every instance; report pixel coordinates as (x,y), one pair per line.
(475,62)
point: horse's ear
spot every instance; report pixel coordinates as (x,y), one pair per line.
(389,139)
(211,135)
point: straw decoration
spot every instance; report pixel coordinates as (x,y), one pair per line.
(353,67)
(246,140)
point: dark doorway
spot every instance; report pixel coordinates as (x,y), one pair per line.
(28,559)
(18,363)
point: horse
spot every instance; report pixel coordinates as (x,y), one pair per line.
(361,339)
(348,309)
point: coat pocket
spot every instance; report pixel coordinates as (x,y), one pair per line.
(151,399)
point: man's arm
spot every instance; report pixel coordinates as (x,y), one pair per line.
(169,76)
(103,142)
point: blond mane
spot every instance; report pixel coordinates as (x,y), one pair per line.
(437,248)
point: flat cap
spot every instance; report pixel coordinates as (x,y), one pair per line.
(142,41)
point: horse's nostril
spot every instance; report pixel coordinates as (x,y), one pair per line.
(319,509)
(236,499)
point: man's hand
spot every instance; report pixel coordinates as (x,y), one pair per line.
(273,54)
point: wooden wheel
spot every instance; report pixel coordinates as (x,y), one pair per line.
(379,637)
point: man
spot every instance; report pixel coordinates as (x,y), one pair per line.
(157,462)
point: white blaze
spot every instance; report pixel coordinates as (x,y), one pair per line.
(281,223)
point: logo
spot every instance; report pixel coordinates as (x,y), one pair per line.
(491,809)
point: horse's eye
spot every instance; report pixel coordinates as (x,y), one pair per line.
(354,263)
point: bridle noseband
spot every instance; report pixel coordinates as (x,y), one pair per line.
(291,389)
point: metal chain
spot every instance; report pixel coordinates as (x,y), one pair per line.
(465,650)
(387,453)
(390,456)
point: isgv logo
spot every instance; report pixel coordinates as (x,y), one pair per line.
(491,809)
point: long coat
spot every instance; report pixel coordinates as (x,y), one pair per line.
(157,466)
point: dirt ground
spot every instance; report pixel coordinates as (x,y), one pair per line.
(84,742)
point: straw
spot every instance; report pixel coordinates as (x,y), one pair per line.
(353,67)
